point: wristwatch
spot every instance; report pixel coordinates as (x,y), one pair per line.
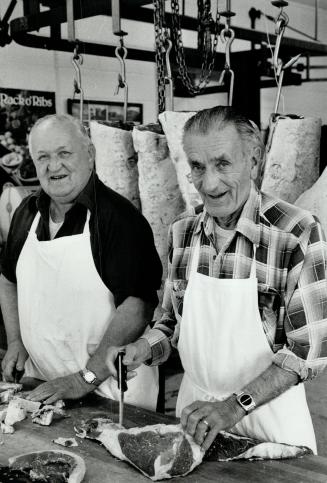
(246,401)
(89,377)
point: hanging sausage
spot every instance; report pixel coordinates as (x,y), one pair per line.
(173,126)
(292,164)
(116,160)
(315,200)
(161,199)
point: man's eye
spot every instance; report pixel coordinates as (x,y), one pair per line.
(197,168)
(64,154)
(42,157)
(222,164)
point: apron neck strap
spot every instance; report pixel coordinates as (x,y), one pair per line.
(253,273)
(35,222)
(86,230)
(196,254)
(195,257)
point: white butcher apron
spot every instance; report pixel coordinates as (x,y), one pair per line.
(223,347)
(65,309)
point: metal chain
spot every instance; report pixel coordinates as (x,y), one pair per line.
(161,35)
(208,47)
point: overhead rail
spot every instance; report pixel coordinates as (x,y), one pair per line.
(21,28)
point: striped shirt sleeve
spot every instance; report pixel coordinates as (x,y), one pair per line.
(305,322)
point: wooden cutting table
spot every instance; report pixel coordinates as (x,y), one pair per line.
(102,467)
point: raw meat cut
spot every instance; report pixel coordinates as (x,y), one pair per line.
(315,200)
(173,127)
(292,164)
(45,414)
(165,451)
(50,466)
(15,413)
(228,446)
(67,442)
(159,451)
(116,160)
(4,386)
(161,198)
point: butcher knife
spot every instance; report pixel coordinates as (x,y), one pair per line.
(122,383)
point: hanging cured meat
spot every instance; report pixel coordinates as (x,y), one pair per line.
(116,160)
(292,164)
(173,126)
(161,199)
(315,200)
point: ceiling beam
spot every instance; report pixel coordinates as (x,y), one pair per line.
(86,8)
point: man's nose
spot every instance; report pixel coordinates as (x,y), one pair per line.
(210,181)
(54,163)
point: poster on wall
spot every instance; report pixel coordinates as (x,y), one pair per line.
(19,109)
(106,111)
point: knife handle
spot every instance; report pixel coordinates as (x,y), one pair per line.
(121,371)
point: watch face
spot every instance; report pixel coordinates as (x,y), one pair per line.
(89,376)
(246,400)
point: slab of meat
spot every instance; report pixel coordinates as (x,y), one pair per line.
(164,451)
(173,126)
(50,466)
(116,160)
(228,446)
(292,164)
(161,198)
(159,451)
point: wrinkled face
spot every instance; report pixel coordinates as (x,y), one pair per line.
(62,160)
(221,169)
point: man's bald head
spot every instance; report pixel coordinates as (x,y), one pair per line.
(63,119)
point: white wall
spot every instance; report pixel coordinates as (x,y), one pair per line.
(28,68)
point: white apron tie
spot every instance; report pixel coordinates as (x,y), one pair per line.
(223,347)
(65,309)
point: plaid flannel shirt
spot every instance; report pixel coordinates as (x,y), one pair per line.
(291,259)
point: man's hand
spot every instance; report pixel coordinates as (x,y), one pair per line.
(68,387)
(203,420)
(135,354)
(14,360)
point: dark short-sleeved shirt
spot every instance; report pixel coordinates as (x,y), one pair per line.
(121,239)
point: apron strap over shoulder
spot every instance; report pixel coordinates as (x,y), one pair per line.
(86,230)
(35,222)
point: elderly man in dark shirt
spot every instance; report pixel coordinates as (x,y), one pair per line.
(80,273)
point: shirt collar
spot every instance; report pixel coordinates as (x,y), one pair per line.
(85,198)
(248,223)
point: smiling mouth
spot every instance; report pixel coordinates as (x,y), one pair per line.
(217,197)
(58,177)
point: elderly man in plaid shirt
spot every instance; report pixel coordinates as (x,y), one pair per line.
(246,295)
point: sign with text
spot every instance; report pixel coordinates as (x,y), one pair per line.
(19,110)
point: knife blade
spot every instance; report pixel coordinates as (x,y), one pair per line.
(122,383)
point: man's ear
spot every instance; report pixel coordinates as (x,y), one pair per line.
(255,162)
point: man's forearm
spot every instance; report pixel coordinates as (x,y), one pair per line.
(270,384)
(9,308)
(128,324)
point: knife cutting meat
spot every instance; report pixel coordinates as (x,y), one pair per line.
(122,382)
